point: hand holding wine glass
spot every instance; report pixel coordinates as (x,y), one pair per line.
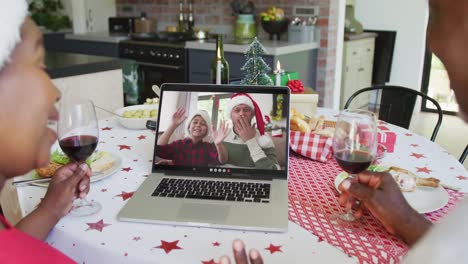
(78,137)
(354,145)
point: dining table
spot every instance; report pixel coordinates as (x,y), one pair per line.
(312,236)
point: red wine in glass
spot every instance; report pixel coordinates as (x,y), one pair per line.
(78,133)
(353,162)
(354,146)
(79,148)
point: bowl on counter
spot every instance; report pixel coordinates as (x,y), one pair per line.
(275,27)
(135,116)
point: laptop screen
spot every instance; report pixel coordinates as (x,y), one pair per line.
(222,130)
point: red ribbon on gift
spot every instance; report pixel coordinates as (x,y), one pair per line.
(296,86)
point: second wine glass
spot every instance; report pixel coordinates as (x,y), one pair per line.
(354,145)
(78,134)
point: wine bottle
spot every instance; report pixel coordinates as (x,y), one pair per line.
(191,21)
(219,66)
(181,20)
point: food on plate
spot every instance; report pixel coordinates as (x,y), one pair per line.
(140,113)
(408,181)
(152,101)
(317,125)
(49,170)
(99,162)
(102,161)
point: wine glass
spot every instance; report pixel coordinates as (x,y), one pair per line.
(78,134)
(354,145)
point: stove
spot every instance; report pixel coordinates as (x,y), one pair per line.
(161,58)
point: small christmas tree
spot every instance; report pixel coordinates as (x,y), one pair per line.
(255,68)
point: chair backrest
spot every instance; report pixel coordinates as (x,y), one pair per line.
(463,155)
(395,106)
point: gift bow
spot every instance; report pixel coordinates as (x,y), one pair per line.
(296,86)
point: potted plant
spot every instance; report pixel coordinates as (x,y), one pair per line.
(245,30)
(49,14)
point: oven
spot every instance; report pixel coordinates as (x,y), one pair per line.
(157,62)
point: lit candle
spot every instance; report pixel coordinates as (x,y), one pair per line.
(278,73)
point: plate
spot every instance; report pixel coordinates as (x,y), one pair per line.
(423,200)
(115,167)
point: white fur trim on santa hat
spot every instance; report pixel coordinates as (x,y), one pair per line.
(240,99)
(204,114)
(12,15)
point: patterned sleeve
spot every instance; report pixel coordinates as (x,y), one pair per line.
(167,151)
(212,153)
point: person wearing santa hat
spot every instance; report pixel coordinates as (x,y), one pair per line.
(27,103)
(247,144)
(194,150)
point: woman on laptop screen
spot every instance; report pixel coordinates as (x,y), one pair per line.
(246,145)
(193,150)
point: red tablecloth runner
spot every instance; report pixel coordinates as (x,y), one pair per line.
(313,199)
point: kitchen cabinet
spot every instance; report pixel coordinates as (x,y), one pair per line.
(58,42)
(358,57)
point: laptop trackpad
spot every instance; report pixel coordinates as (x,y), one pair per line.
(203,211)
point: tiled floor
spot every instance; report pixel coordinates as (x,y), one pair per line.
(453,134)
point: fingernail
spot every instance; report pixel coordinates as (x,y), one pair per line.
(223,260)
(84,166)
(83,187)
(254,254)
(238,245)
(346,184)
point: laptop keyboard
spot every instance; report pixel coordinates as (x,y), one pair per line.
(214,190)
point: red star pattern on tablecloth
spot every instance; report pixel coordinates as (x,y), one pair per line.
(414,145)
(462,178)
(135,160)
(125,195)
(141,137)
(137,238)
(106,128)
(122,147)
(417,155)
(99,225)
(216,244)
(211,261)
(408,134)
(424,169)
(272,248)
(127,169)
(168,246)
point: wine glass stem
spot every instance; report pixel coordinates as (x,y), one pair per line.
(356,204)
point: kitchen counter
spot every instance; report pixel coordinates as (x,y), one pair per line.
(98,37)
(63,64)
(272,47)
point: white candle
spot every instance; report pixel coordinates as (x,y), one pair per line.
(278,73)
(218,72)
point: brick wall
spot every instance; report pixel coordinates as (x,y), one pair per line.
(218,12)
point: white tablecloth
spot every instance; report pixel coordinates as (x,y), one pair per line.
(101,238)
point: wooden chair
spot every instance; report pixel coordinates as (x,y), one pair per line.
(394,104)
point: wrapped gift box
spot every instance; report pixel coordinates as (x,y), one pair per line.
(306,102)
(293,75)
(387,138)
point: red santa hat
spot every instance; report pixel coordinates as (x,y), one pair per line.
(12,16)
(242,98)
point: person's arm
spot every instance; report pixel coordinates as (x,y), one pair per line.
(382,196)
(218,136)
(177,118)
(263,158)
(69,182)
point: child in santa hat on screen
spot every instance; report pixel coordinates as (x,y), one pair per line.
(194,150)
(247,145)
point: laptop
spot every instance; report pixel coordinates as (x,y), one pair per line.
(197,188)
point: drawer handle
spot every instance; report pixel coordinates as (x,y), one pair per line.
(354,53)
(360,69)
(369,50)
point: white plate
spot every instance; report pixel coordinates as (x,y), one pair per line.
(115,167)
(423,200)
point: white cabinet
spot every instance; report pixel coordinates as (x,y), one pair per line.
(358,57)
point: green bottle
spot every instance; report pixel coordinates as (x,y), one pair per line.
(219,65)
